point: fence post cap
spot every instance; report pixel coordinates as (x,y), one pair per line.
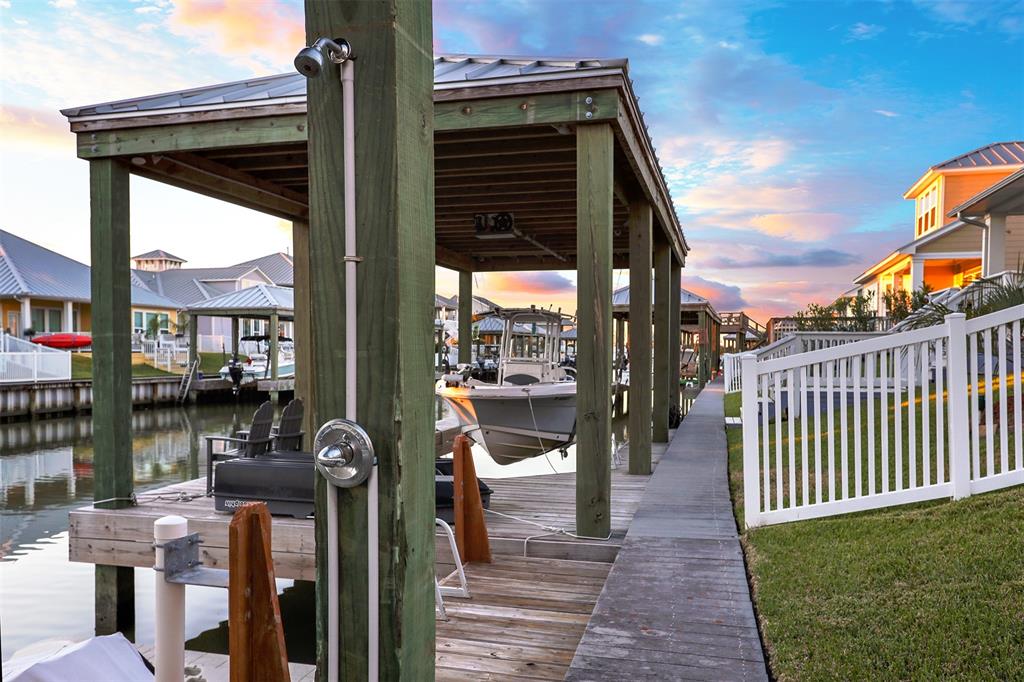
(956,316)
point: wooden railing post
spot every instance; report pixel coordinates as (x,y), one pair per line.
(959,423)
(751,485)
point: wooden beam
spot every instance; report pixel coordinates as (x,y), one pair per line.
(112,376)
(395,235)
(447,258)
(662,284)
(674,352)
(253,132)
(594,169)
(305,376)
(465,316)
(640,229)
(273,334)
(528,109)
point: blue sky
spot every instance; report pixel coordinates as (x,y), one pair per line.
(788,131)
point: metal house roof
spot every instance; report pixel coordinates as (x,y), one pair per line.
(258,300)
(453,70)
(27,269)
(158,253)
(995,154)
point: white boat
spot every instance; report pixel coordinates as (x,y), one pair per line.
(532,408)
(257,367)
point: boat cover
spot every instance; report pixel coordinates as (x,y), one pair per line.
(111,658)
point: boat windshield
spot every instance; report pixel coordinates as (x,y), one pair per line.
(534,340)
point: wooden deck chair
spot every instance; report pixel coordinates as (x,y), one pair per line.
(257,442)
(289,432)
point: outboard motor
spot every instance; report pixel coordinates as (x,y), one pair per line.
(235,372)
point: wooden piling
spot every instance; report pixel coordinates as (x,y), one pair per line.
(112,376)
(662,306)
(465,316)
(395,239)
(594,189)
(674,352)
(640,221)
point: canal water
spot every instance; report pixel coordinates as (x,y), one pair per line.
(46,469)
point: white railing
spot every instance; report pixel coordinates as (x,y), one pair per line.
(13,344)
(35,366)
(798,342)
(901,418)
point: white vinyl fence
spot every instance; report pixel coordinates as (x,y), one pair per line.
(22,361)
(901,418)
(798,342)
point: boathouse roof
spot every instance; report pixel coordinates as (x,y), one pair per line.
(252,302)
(504,141)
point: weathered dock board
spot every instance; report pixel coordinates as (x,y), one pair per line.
(524,619)
(123,537)
(676,604)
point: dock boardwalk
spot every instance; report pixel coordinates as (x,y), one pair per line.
(676,604)
(524,618)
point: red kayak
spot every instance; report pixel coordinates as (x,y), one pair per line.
(65,341)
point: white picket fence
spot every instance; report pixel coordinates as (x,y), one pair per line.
(22,361)
(901,418)
(798,342)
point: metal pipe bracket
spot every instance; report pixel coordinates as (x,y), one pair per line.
(183,566)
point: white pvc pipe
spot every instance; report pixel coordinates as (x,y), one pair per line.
(169,616)
(351,346)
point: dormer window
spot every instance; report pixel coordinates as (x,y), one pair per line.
(928,209)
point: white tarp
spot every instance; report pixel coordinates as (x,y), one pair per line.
(104,659)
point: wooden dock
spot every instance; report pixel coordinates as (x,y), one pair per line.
(528,609)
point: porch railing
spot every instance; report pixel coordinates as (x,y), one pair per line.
(901,418)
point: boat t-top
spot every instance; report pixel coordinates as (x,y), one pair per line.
(531,410)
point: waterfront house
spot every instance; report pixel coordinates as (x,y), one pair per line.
(46,292)
(946,249)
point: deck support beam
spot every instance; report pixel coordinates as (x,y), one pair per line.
(674,354)
(273,332)
(640,223)
(193,338)
(465,316)
(394,155)
(662,297)
(594,191)
(234,335)
(112,377)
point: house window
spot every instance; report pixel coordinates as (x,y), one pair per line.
(927,210)
(137,325)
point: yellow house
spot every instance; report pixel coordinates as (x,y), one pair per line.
(46,292)
(947,248)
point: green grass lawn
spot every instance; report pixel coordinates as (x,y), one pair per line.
(924,591)
(81,368)
(210,363)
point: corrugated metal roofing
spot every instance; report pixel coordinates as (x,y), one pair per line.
(621,297)
(261,297)
(449,70)
(190,285)
(159,253)
(995,154)
(279,267)
(27,269)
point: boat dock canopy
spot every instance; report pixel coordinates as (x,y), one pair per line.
(258,302)
(504,142)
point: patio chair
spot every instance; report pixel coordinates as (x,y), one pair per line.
(256,442)
(289,434)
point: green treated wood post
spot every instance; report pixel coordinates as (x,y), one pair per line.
(465,317)
(193,338)
(234,335)
(594,189)
(112,377)
(703,349)
(395,236)
(674,353)
(305,377)
(272,332)
(662,297)
(640,337)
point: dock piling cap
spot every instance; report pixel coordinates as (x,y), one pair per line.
(170,527)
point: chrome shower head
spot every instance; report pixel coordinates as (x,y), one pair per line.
(311,60)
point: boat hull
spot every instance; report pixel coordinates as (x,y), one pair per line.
(514,423)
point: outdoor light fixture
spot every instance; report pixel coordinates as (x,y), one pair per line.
(310,60)
(344,453)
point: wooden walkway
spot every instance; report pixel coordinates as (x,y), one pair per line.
(525,616)
(676,605)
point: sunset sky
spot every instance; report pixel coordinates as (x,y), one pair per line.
(788,131)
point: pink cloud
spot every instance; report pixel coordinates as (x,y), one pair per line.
(263,30)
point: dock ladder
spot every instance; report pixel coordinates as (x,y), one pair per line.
(186,381)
